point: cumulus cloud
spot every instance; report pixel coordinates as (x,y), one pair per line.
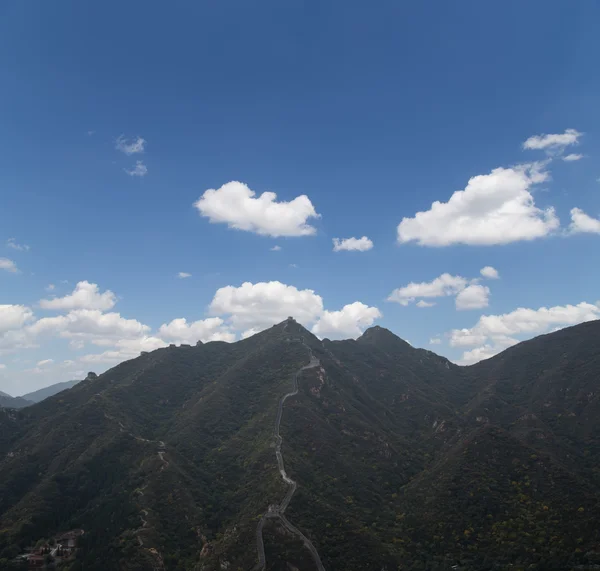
(435,341)
(581,222)
(473,297)
(494,208)
(350,321)
(211,329)
(493,333)
(183,275)
(489,273)
(235,205)
(423,303)
(13,244)
(130,146)
(125,349)
(556,141)
(8,265)
(86,295)
(14,317)
(45,362)
(251,308)
(441,286)
(265,303)
(90,324)
(276,248)
(140,169)
(352,244)
(572,157)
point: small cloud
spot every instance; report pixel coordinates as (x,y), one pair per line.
(50,287)
(553,142)
(473,297)
(435,341)
(237,205)
(424,303)
(275,248)
(489,272)
(12,243)
(8,265)
(582,223)
(183,275)
(45,362)
(130,147)
(90,133)
(293,265)
(352,244)
(572,157)
(140,169)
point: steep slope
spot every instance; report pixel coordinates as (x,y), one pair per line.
(398,458)
(41,394)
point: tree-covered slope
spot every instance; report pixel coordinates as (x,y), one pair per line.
(402,459)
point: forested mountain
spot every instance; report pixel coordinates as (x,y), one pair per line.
(402,459)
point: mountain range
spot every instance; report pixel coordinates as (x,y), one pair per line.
(6,401)
(387,457)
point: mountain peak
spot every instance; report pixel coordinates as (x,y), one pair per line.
(378,335)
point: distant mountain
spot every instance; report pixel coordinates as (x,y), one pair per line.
(394,458)
(41,394)
(6,401)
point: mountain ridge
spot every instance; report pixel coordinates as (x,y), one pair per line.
(171,456)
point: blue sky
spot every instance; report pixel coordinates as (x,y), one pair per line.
(372,113)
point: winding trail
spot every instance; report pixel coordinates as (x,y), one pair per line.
(278,510)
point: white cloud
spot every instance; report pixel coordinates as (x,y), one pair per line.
(50,287)
(435,341)
(8,265)
(12,243)
(493,333)
(89,324)
(265,303)
(180,331)
(183,275)
(423,303)
(553,142)
(14,317)
(478,354)
(495,208)
(350,321)
(572,157)
(130,147)
(140,169)
(473,297)
(2,366)
(45,362)
(441,286)
(125,349)
(250,332)
(235,204)
(276,248)
(352,244)
(489,273)
(581,222)
(86,295)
